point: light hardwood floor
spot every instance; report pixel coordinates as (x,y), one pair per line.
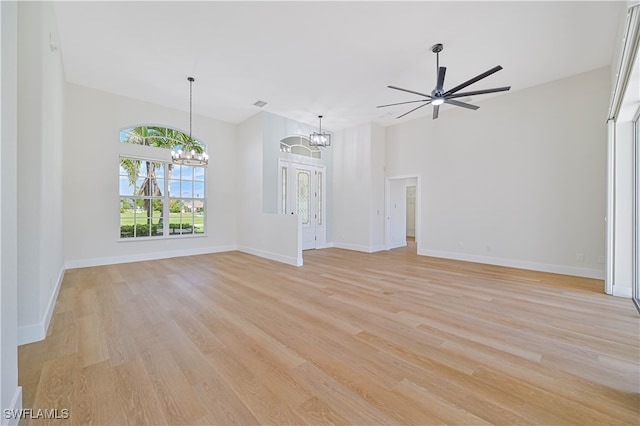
(350,338)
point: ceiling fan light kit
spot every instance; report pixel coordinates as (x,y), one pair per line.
(439,96)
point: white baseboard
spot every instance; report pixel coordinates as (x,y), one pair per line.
(36,332)
(112,260)
(326,245)
(515,263)
(15,410)
(356,247)
(398,244)
(52,301)
(272,256)
(621,291)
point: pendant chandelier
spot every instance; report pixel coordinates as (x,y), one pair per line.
(192,152)
(319,138)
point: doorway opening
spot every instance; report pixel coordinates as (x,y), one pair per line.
(403,218)
(411,214)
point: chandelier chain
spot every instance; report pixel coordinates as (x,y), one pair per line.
(191,80)
(191,153)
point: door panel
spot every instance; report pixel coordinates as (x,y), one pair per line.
(305,205)
(320,215)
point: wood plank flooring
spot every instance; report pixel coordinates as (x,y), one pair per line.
(349,338)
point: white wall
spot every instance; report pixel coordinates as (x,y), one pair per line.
(92,156)
(40,194)
(376,207)
(397,213)
(273,236)
(10,393)
(352,188)
(358,177)
(519,182)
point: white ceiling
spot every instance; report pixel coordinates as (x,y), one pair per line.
(330,58)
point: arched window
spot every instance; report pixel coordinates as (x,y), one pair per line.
(159,137)
(299,145)
(159,198)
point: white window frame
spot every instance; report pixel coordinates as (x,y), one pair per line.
(166,199)
(635,283)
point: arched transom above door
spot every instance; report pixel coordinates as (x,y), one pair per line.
(299,145)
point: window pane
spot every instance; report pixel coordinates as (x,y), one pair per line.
(142,226)
(127,217)
(156,213)
(159,171)
(157,219)
(174,188)
(283,176)
(187,172)
(147,187)
(198,189)
(158,141)
(175,172)
(319,198)
(179,223)
(139,185)
(123,134)
(158,189)
(125,187)
(198,217)
(186,189)
(301,150)
(304,198)
(175,206)
(127,207)
(198,173)
(149,168)
(130,136)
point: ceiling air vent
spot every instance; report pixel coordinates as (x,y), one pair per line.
(260,104)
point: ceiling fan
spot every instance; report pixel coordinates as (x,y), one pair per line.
(439,96)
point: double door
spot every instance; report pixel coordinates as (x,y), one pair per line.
(302,192)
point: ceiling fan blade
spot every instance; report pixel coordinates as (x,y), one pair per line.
(473,80)
(409,91)
(479,92)
(440,82)
(460,104)
(425,104)
(436,110)
(401,103)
